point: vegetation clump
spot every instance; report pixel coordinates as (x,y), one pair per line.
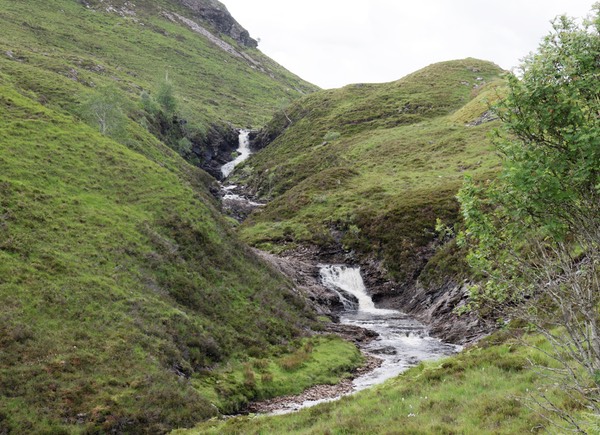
(534,231)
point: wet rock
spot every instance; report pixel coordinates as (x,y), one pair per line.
(434,305)
(237,202)
(355,334)
(216,148)
(305,278)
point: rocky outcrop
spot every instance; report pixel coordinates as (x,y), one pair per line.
(305,278)
(215,149)
(436,307)
(217,16)
(434,303)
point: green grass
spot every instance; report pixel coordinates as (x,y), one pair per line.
(119,280)
(396,158)
(485,390)
(61,49)
(321,360)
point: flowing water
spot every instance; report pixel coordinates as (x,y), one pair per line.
(403,341)
(229,196)
(243,153)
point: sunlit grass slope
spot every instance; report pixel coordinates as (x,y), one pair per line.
(371,167)
(119,281)
(60,48)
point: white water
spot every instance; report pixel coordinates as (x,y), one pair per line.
(403,341)
(348,279)
(243,151)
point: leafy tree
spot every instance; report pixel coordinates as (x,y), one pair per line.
(283,106)
(534,232)
(149,104)
(165,96)
(105,110)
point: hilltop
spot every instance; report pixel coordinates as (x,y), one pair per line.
(361,174)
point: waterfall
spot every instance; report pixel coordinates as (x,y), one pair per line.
(243,151)
(348,279)
(401,341)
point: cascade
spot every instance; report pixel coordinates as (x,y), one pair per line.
(243,153)
(402,341)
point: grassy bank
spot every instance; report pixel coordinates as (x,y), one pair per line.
(486,389)
(323,360)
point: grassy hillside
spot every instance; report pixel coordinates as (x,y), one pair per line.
(125,297)
(370,167)
(60,49)
(120,284)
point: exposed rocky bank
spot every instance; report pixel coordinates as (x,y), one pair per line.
(432,304)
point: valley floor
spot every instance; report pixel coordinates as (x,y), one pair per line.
(489,388)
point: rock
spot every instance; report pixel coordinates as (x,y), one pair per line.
(488,116)
(217,15)
(238,203)
(306,281)
(215,149)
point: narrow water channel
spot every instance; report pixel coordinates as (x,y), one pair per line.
(243,153)
(403,341)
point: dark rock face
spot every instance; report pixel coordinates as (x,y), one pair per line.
(305,277)
(214,150)
(434,305)
(217,15)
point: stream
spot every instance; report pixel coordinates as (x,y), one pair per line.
(402,341)
(236,202)
(243,153)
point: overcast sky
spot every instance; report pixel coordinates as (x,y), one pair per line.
(332,43)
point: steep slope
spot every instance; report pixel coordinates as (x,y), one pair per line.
(118,280)
(66,51)
(123,291)
(363,172)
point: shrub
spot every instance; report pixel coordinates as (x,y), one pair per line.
(331,136)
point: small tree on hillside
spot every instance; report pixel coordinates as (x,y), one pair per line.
(535,230)
(165,96)
(105,110)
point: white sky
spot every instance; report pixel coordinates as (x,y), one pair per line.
(332,43)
